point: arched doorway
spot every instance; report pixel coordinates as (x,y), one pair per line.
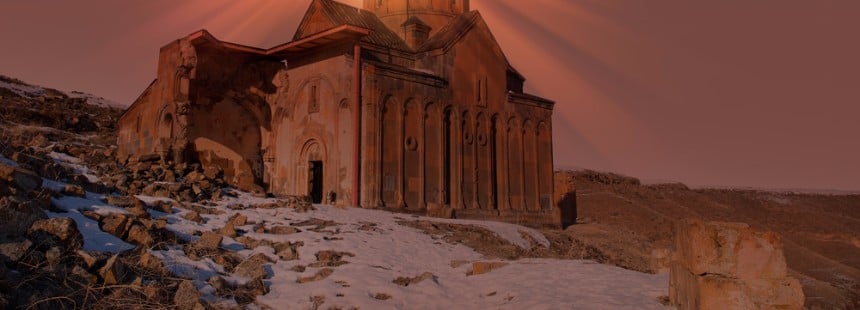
(314,162)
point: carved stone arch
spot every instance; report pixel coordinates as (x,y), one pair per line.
(312,149)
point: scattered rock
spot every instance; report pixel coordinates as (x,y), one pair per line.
(18,216)
(73,190)
(485,267)
(403,281)
(209,241)
(282,230)
(116,224)
(194,217)
(63,228)
(113,272)
(331,259)
(253,267)
(320,275)
(238,220)
(229,230)
(382,296)
(287,251)
(14,251)
(23,180)
(187,297)
(139,235)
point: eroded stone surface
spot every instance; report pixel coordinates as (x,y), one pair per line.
(730,266)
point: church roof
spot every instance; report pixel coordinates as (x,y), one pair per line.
(451,32)
(343,14)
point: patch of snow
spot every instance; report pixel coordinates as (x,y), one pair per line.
(23,90)
(7,162)
(94,238)
(74,163)
(179,264)
(390,250)
(95,100)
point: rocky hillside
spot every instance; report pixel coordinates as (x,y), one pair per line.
(81,231)
(821,233)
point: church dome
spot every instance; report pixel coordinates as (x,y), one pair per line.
(434,13)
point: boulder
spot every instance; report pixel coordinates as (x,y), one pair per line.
(113,272)
(139,235)
(730,266)
(15,250)
(238,219)
(320,275)
(485,267)
(229,230)
(253,267)
(187,297)
(63,228)
(116,224)
(24,181)
(73,190)
(18,216)
(209,241)
(282,230)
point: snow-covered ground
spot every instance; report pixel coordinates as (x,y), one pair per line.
(385,250)
(75,164)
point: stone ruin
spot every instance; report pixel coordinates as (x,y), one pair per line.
(730,266)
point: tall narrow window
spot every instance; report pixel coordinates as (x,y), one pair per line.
(314,97)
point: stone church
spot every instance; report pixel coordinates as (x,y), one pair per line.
(408,105)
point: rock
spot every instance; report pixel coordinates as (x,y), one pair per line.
(139,235)
(63,228)
(247,293)
(238,219)
(54,255)
(139,211)
(149,261)
(287,251)
(14,251)
(73,190)
(485,267)
(283,230)
(23,180)
(113,272)
(219,284)
(228,230)
(17,217)
(253,267)
(212,172)
(403,281)
(85,275)
(331,259)
(89,260)
(116,224)
(149,158)
(730,266)
(187,297)
(162,206)
(320,275)
(194,217)
(209,241)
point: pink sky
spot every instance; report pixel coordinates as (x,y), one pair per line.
(735,92)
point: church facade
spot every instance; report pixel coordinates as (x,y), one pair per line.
(408,105)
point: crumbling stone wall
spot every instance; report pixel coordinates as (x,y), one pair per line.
(730,266)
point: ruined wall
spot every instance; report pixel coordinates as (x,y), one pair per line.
(230,113)
(314,122)
(151,125)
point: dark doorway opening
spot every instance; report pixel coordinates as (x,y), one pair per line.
(315,181)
